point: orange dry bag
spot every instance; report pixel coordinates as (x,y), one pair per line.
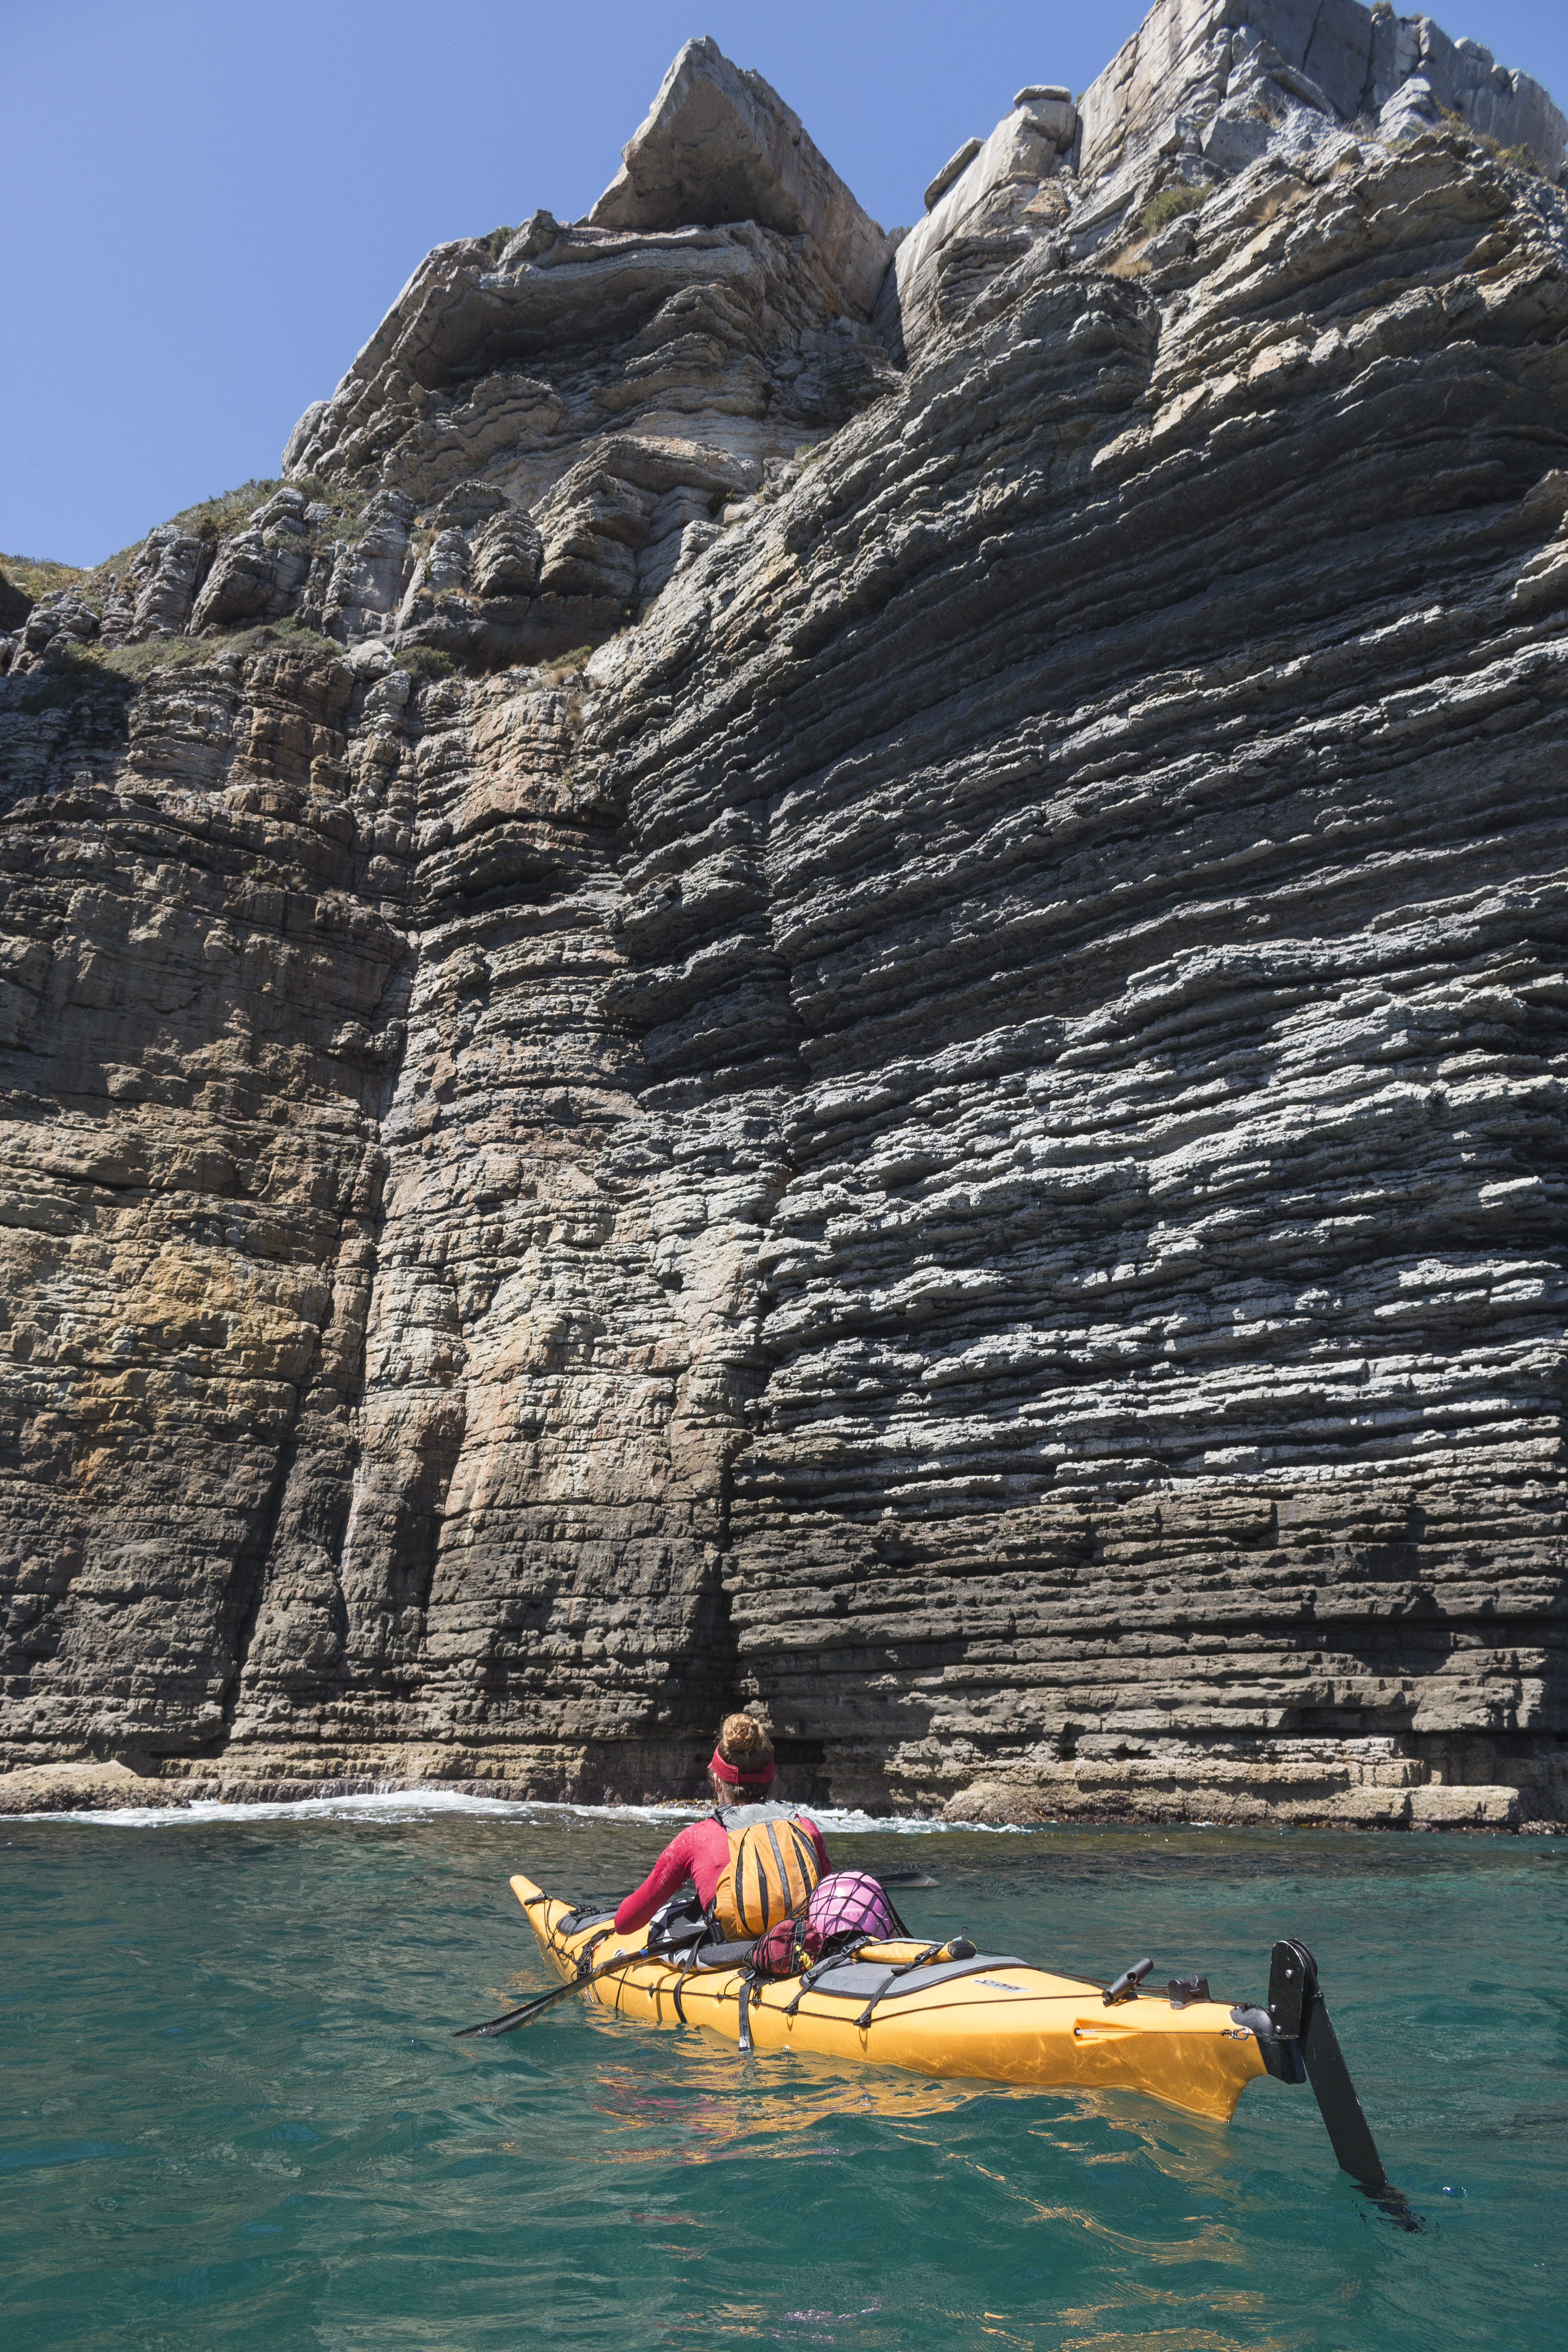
(771,1874)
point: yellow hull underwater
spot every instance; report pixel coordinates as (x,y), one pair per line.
(1009,2025)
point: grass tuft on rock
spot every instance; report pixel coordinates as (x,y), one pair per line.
(98,669)
(423,661)
(217,518)
(36,576)
(1169,206)
(1518,158)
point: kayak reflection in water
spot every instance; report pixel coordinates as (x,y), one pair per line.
(753,1863)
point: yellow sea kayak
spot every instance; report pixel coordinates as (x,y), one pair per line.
(987,2018)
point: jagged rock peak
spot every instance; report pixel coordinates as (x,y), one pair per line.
(720,144)
(1335,57)
(615,382)
(1199,93)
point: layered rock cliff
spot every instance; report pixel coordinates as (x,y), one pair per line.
(831,969)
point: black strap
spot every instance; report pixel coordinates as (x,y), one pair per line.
(930,1953)
(747,1980)
(920,1960)
(865,2016)
(680,2009)
(784,1875)
(842,1947)
(585,1956)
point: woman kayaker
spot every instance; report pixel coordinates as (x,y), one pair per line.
(740,1774)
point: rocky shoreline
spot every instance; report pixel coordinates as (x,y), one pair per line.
(1378,1791)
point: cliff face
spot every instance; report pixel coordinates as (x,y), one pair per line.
(960,1131)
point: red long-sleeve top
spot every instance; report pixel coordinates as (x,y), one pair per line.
(699,1853)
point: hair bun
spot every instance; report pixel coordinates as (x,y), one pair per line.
(743,1743)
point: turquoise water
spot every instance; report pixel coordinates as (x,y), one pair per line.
(235,2117)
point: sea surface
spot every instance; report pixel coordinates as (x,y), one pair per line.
(235,2120)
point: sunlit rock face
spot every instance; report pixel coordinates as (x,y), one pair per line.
(954,1127)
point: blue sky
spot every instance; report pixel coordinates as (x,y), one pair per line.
(212,204)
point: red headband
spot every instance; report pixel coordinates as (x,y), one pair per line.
(734,1777)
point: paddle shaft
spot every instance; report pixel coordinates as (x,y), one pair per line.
(531,2009)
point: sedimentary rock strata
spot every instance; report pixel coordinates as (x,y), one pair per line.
(959,1130)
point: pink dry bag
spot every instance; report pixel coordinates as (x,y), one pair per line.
(847,1902)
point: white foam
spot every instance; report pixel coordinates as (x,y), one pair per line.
(418,1804)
